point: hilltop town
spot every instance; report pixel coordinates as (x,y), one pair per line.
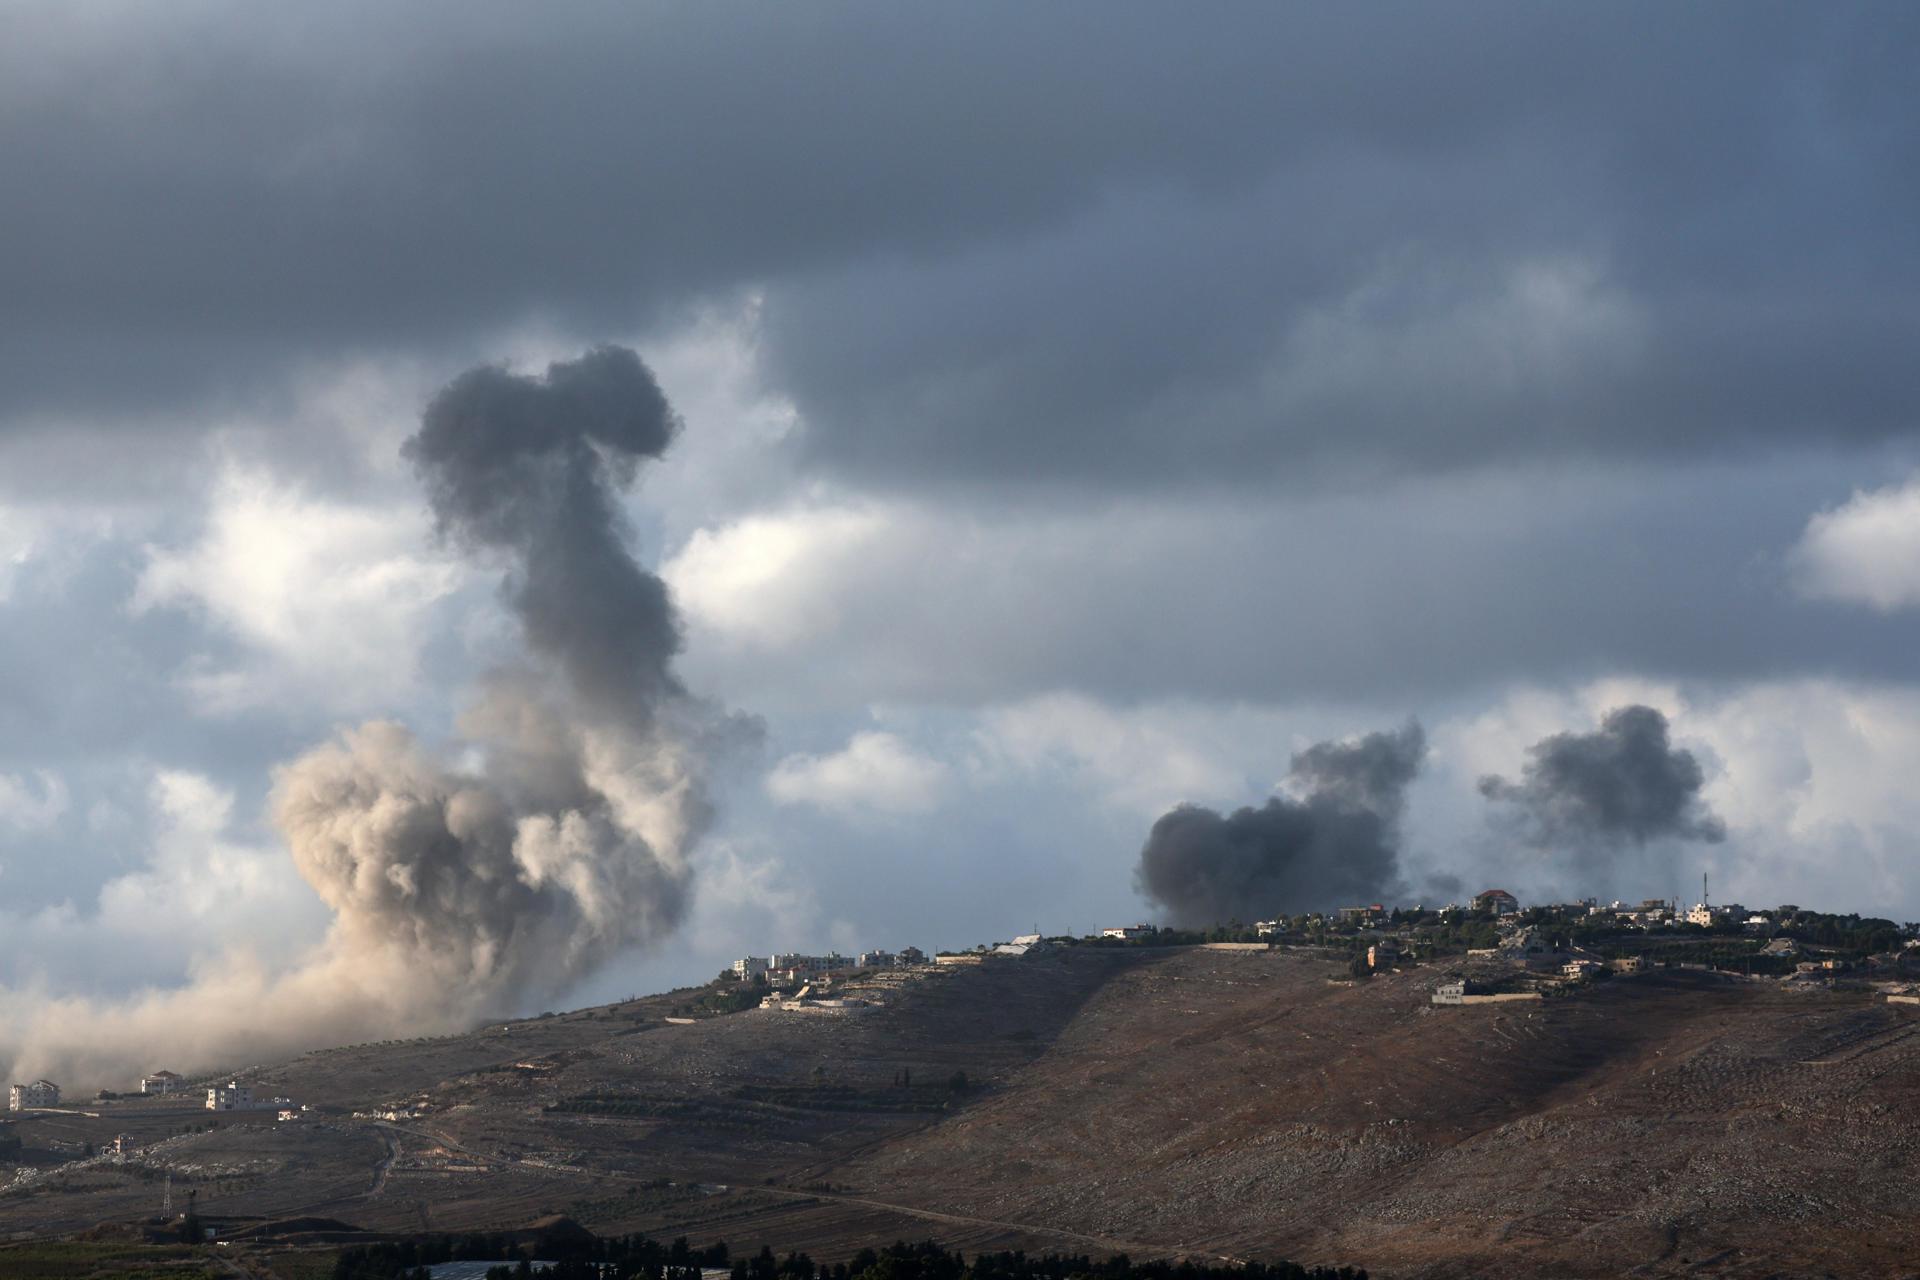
(1382,1059)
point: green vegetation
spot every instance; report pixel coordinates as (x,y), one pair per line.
(89,1260)
(614,1257)
(726,994)
(579,1257)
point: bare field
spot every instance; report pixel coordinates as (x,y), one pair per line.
(1225,1104)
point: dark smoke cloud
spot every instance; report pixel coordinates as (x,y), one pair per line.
(1334,841)
(530,468)
(1624,784)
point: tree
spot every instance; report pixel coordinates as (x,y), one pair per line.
(957,1082)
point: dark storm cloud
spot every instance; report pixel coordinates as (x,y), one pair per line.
(531,468)
(1624,784)
(1394,237)
(1337,843)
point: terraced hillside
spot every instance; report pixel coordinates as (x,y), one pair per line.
(1195,1101)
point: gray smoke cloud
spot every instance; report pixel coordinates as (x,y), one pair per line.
(561,837)
(1334,840)
(1620,786)
(530,469)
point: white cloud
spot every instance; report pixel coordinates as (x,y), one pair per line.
(1142,760)
(333,597)
(876,772)
(32,806)
(772,581)
(1865,551)
(198,894)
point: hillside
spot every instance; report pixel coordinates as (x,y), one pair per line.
(1192,1101)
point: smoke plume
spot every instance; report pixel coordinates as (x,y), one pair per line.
(1623,785)
(465,891)
(1334,840)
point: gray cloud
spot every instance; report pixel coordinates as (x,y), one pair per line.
(1338,238)
(1622,785)
(1337,843)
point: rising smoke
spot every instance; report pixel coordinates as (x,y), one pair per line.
(1624,785)
(1334,840)
(463,892)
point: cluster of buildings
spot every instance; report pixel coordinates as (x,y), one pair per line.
(786,968)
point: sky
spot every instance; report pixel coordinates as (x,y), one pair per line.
(1084,410)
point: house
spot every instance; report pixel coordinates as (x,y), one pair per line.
(749,967)
(1025,944)
(160,1082)
(912,955)
(875,960)
(1781,947)
(1453,991)
(41,1093)
(1267,928)
(1529,948)
(1358,915)
(1702,914)
(1581,969)
(1383,954)
(1629,964)
(1498,901)
(231,1096)
(289,1113)
(1128,932)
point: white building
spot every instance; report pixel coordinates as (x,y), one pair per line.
(160,1082)
(749,966)
(41,1093)
(1128,932)
(1701,914)
(1266,928)
(1025,944)
(231,1096)
(876,960)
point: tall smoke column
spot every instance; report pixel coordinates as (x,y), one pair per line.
(460,893)
(528,469)
(1335,840)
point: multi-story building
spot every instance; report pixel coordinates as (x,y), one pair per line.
(41,1093)
(159,1082)
(231,1096)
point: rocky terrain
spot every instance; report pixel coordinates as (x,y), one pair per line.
(1231,1105)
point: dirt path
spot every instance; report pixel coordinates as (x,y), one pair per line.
(1136,1248)
(385,1166)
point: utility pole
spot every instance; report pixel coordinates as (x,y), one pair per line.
(166,1198)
